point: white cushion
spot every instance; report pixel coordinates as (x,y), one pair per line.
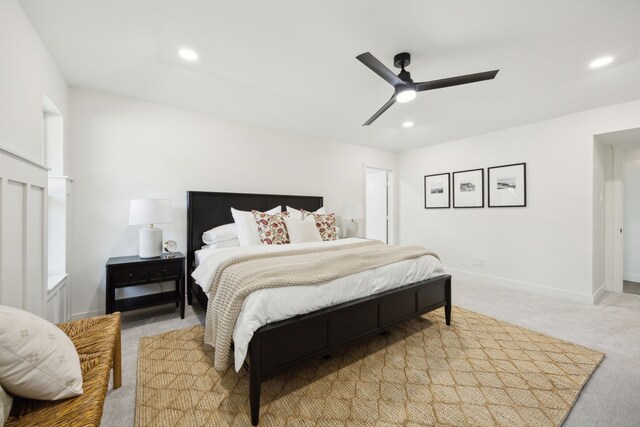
(221,233)
(302,231)
(5,405)
(247,227)
(37,359)
(295,213)
(224,244)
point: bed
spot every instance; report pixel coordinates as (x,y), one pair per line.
(277,346)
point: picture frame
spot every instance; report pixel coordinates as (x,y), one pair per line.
(507,185)
(437,191)
(468,188)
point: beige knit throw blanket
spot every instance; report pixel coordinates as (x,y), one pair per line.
(237,277)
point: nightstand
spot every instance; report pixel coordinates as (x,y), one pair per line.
(126,271)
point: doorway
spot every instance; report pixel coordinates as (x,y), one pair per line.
(618,153)
(377,203)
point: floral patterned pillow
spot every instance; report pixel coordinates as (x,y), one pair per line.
(326,224)
(271,228)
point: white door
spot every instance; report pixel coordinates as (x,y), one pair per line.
(377,204)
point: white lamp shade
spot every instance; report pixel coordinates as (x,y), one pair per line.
(353,211)
(150,211)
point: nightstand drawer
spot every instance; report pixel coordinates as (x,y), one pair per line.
(129,274)
(164,271)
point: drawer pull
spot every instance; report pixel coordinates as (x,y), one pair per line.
(130,274)
(164,270)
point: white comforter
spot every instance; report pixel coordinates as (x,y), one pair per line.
(270,305)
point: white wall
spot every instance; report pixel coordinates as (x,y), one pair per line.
(548,246)
(124,149)
(27,73)
(631,215)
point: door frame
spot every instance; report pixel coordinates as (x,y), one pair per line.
(390,200)
(616,231)
(616,145)
(618,220)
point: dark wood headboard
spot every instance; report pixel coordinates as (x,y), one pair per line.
(206,210)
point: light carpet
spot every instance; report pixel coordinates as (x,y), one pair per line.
(478,371)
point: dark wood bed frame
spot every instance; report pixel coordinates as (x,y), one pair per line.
(278,346)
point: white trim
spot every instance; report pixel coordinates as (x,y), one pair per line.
(23,216)
(618,215)
(523,286)
(598,294)
(61,177)
(86,314)
(156,308)
(55,280)
(22,158)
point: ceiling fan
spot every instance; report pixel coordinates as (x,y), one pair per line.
(405,88)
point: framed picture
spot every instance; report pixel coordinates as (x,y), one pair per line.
(436,191)
(468,189)
(507,185)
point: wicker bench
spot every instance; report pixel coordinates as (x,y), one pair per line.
(97,340)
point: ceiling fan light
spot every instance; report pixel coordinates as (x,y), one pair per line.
(406,95)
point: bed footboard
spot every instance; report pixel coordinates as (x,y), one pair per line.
(276,347)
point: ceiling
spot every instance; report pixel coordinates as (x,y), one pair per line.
(290,65)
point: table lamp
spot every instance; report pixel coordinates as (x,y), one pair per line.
(150,212)
(353,211)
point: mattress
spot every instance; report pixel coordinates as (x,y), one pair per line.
(275,304)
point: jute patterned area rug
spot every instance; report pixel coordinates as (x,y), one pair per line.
(478,371)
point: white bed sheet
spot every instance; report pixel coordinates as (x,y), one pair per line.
(271,305)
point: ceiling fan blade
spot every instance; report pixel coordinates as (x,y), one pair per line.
(455,81)
(378,113)
(378,67)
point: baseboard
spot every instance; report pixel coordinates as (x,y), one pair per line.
(631,277)
(523,286)
(598,293)
(78,316)
(152,309)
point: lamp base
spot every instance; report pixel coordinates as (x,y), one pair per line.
(150,242)
(352,229)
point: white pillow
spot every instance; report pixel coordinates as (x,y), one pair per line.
(225,244)
(247,227)
(295,213)
(302,231)
(5,405)
(37,359)
(221,233)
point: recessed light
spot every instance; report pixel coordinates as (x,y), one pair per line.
(601,62)
(188,54)
(407,124)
